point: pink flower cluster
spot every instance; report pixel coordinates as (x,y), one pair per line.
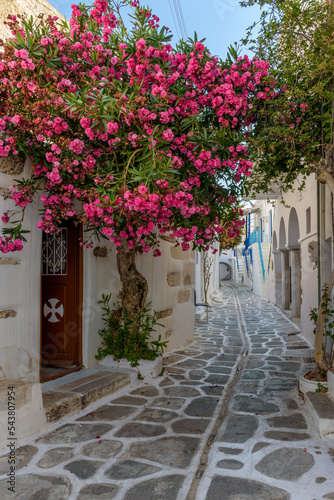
(205,163)
(76,146)
(8,245)
(111,113)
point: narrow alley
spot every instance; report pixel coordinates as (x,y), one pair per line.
(224,422)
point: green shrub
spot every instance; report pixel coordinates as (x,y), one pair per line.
(125,336)
(328,337)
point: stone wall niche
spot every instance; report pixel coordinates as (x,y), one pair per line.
(12,165)
(7,313)
(5,193)
(174,278)
(100,251)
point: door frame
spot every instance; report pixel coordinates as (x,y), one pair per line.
(78,234)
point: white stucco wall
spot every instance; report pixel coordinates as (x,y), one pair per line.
(235,271)
(257,279)
(100,276)
(171,279)
(20,292)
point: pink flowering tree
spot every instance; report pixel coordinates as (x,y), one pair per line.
(126,134)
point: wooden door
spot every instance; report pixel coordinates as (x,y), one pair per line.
(61,296)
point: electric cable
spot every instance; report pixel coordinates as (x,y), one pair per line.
(175,23)
(182,19)
(178,18)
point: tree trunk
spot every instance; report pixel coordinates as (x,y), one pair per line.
(134,285)
(326,178)
(322,365)
(207,266)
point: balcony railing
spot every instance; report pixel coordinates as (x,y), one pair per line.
(261,255)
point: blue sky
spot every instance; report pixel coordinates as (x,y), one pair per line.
(221,22)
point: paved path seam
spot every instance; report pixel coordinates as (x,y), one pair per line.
(224,405)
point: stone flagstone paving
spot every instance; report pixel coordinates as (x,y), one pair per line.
(224,422)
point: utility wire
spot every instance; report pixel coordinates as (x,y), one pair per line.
(178,19)
(176,26)
(182,19)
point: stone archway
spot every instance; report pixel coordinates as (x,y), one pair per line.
(293,229)
(225,271)
(294,247)
(282,234)
(285,264)
(277,270)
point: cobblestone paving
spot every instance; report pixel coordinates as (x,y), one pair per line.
(225,422)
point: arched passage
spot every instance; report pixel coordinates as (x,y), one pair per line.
(295,268)
(293,230)
(282,234)
(277,270)
(274,241)
(285,263)
(225,271)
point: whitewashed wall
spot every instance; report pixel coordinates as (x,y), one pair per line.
(20,299)
(171,279)
(257,279)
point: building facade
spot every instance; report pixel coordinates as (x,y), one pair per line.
(24,8)
(287,250)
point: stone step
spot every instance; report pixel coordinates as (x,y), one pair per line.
(321,407)
(75,391)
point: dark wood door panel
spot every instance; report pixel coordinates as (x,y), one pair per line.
(60,296)
(54,322)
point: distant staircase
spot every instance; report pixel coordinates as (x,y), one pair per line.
(240,275)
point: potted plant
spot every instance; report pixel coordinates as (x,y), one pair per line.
(311,381)
(126,339)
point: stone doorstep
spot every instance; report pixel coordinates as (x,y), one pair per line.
(69,398)
(321,407)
